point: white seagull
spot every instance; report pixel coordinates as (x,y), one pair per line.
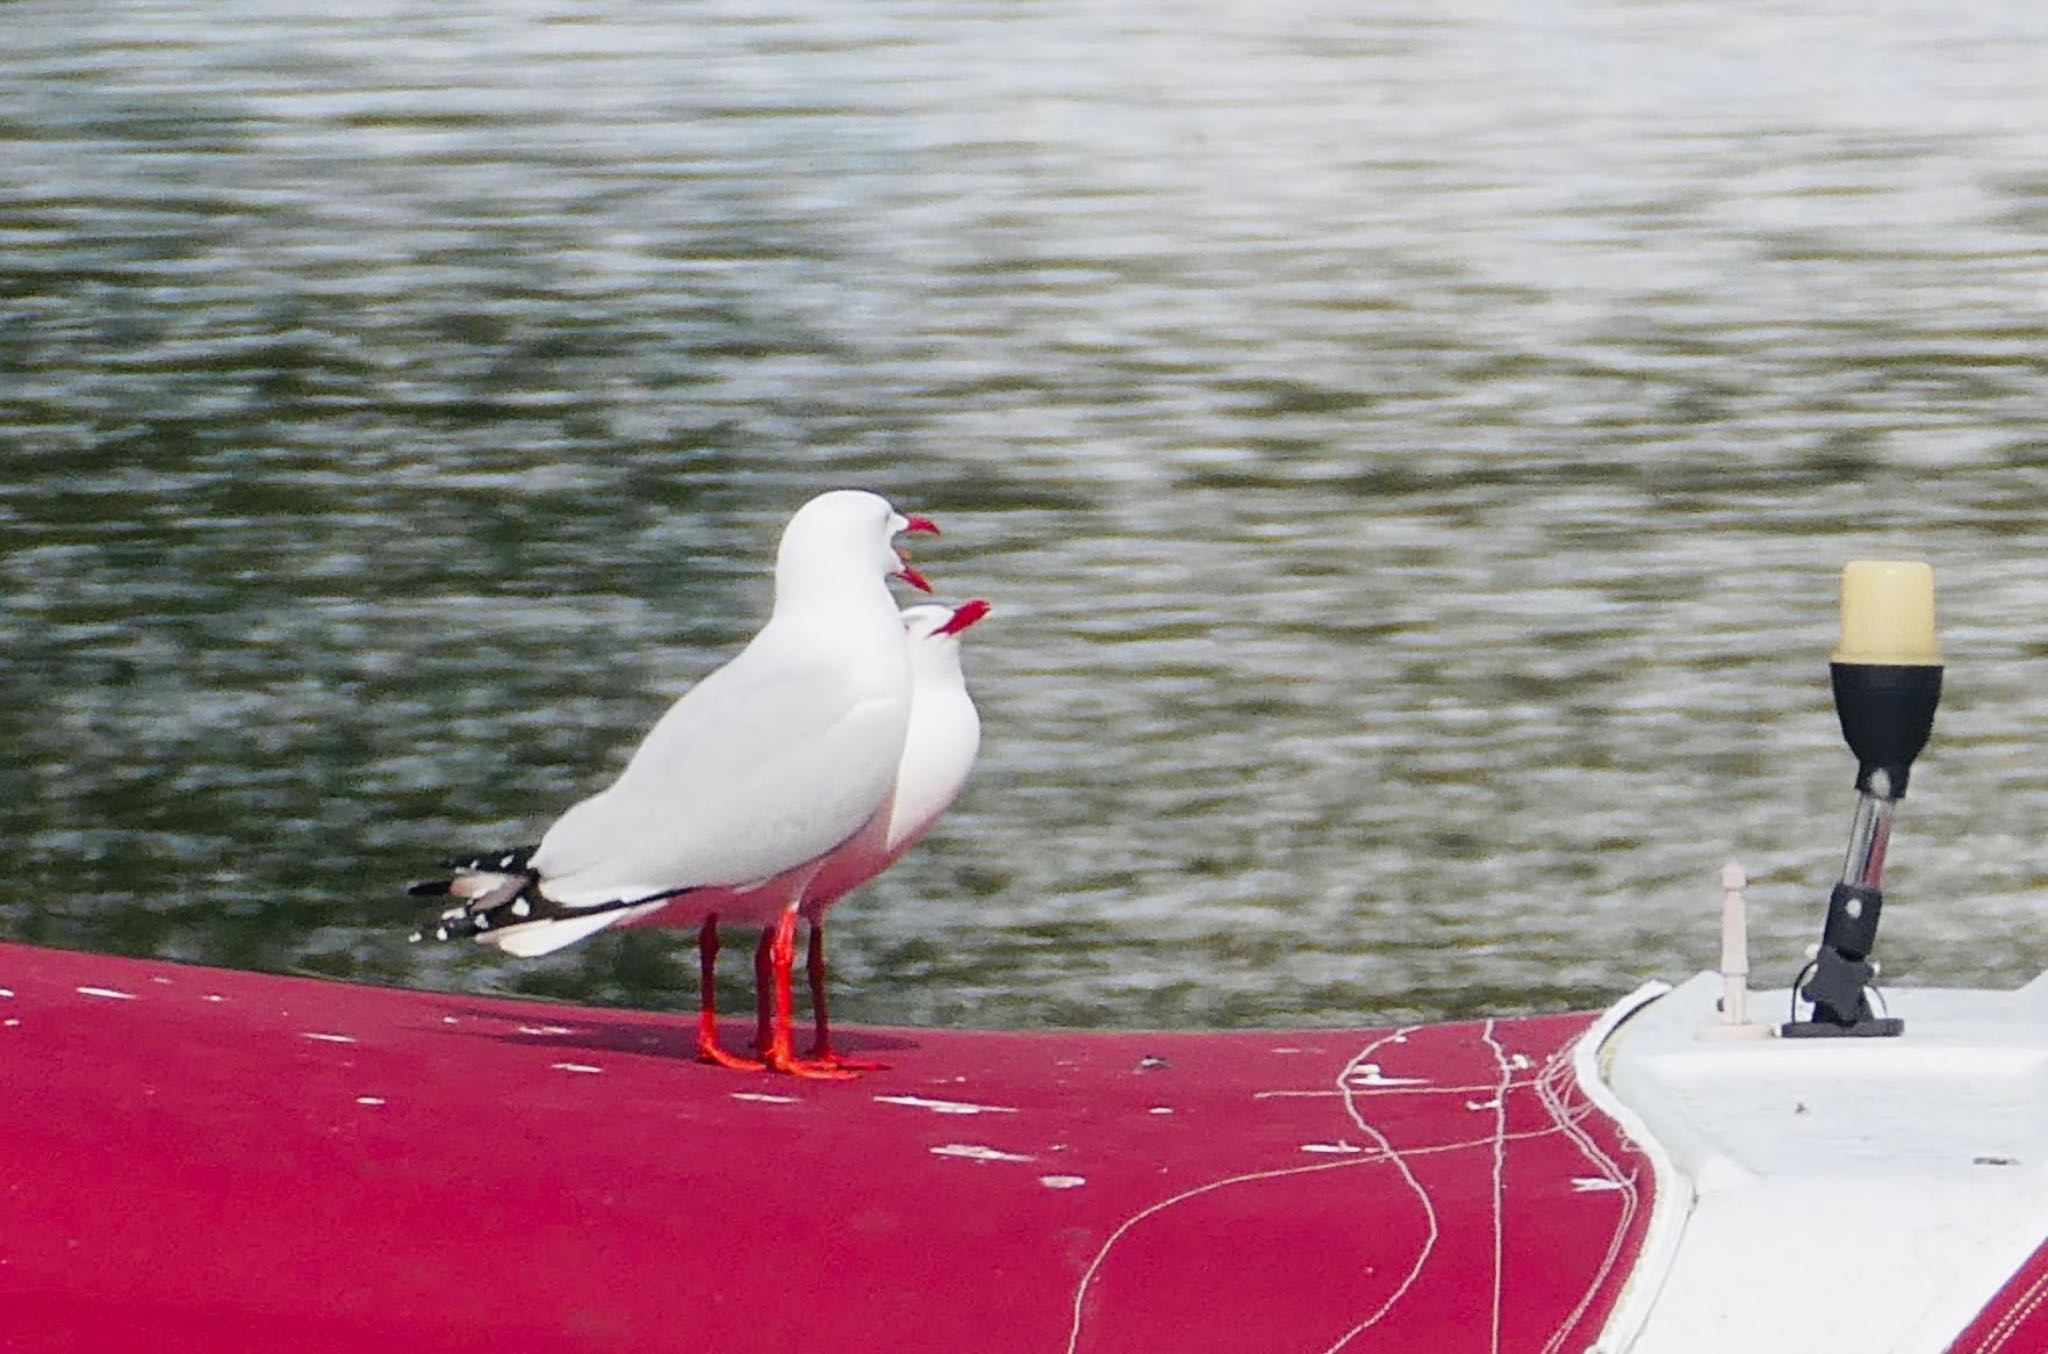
(748,783)
(938,754)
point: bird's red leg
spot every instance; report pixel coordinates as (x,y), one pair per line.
(814,965)
(764,990)
(820,1020)
(708,1047)
(781,1055)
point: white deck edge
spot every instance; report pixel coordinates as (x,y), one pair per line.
(1671,1201)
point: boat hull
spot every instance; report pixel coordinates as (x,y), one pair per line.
(222,1158)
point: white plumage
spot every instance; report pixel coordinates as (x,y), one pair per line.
(938,754)
(939,748)
(749,780)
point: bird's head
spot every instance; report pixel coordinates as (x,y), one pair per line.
(934,630)
(847,531)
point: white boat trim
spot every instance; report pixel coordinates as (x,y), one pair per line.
(1671,1192)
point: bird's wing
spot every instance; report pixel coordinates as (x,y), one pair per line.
(769,762)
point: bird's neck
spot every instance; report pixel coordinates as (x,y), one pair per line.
(852,598)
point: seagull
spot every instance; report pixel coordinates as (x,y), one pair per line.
(938,754)
(740,792)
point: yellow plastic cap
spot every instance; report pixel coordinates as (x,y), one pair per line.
(1888,614)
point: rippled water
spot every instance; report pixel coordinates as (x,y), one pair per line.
(1410,451)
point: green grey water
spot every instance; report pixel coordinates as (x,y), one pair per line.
(1410,449)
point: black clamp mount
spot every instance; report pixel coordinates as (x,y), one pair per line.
(1887,712)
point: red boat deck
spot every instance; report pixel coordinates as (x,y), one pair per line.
(2016,1319)
(216,1160)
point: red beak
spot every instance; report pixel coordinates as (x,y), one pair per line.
(964,615)
(910,575)
(920,526)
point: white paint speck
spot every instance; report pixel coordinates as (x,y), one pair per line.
(918,1102)
(545,1029)
(450,1020)
(1160,1109)
(164,981)
(11,1023)
(1369,1074)
(1344,1149)
(974,1153)
(327,1038)
(6,992)
(369,1100)
(575,1067)
(1287,1050)
(215,997)
(1492,1104)
(762,1098)
(1584,1184)
(1063,1181)
(106,992)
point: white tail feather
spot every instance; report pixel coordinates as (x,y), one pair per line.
(526,940)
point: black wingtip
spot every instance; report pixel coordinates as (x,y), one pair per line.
(484,892)
(497,862)
(513,861)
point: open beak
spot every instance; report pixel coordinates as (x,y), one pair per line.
(908,574)
(964,615)
(915,526)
